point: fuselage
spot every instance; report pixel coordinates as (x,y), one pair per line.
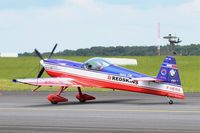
(110,76)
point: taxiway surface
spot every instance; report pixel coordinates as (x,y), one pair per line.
(24,112)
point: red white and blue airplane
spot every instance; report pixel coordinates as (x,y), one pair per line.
(98,72)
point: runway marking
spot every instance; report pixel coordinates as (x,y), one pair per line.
(102,110)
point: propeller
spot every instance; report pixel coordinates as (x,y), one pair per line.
(40,73)
(52,51)
(40,56)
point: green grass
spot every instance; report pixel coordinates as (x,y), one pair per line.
(25,67)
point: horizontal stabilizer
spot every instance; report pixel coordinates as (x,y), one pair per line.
(145,79)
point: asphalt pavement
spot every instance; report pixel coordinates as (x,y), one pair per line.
(24,112)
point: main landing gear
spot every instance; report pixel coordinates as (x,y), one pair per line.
(83,97)
(56,98)
(170,101)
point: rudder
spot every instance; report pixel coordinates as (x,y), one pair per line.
(169,71)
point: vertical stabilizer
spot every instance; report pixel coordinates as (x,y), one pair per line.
(169,71)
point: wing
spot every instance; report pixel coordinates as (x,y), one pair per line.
(51,82)
(69,82)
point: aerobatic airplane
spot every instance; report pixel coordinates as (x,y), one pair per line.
(98,72)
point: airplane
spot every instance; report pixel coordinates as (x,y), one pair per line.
(98,72)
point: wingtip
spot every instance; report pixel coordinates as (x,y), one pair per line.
(14,80)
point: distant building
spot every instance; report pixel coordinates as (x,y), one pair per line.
(8,55)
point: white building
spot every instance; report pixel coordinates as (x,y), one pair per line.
(8,55)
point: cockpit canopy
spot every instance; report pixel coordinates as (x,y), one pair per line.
(96,64)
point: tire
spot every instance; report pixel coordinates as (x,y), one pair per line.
(54,102)
(171,102)
(82,100)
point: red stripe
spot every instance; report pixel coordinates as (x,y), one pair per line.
(174,66)
(114,85)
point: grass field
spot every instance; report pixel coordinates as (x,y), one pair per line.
(25,67)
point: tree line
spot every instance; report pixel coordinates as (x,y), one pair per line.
(186,50)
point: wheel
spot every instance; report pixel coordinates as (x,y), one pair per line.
(171,102)
(54,102)
(82,100)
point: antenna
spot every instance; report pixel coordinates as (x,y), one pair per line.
(158,38)
(158,30)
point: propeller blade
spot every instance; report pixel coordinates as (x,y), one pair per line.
(40,73)
(36,89)
(38,54)
(52,51)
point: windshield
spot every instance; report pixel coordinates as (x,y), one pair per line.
(96,64)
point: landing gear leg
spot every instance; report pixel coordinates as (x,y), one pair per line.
(170,101)
(80,96)
(56,98)
(83,97)
(61,90)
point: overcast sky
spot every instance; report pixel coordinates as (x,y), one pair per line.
(73,24)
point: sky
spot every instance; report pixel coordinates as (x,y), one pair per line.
(73,24)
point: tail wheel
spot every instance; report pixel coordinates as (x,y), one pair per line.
(171,102)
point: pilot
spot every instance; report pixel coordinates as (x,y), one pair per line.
(89,66)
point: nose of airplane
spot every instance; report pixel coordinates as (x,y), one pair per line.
(42,62)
